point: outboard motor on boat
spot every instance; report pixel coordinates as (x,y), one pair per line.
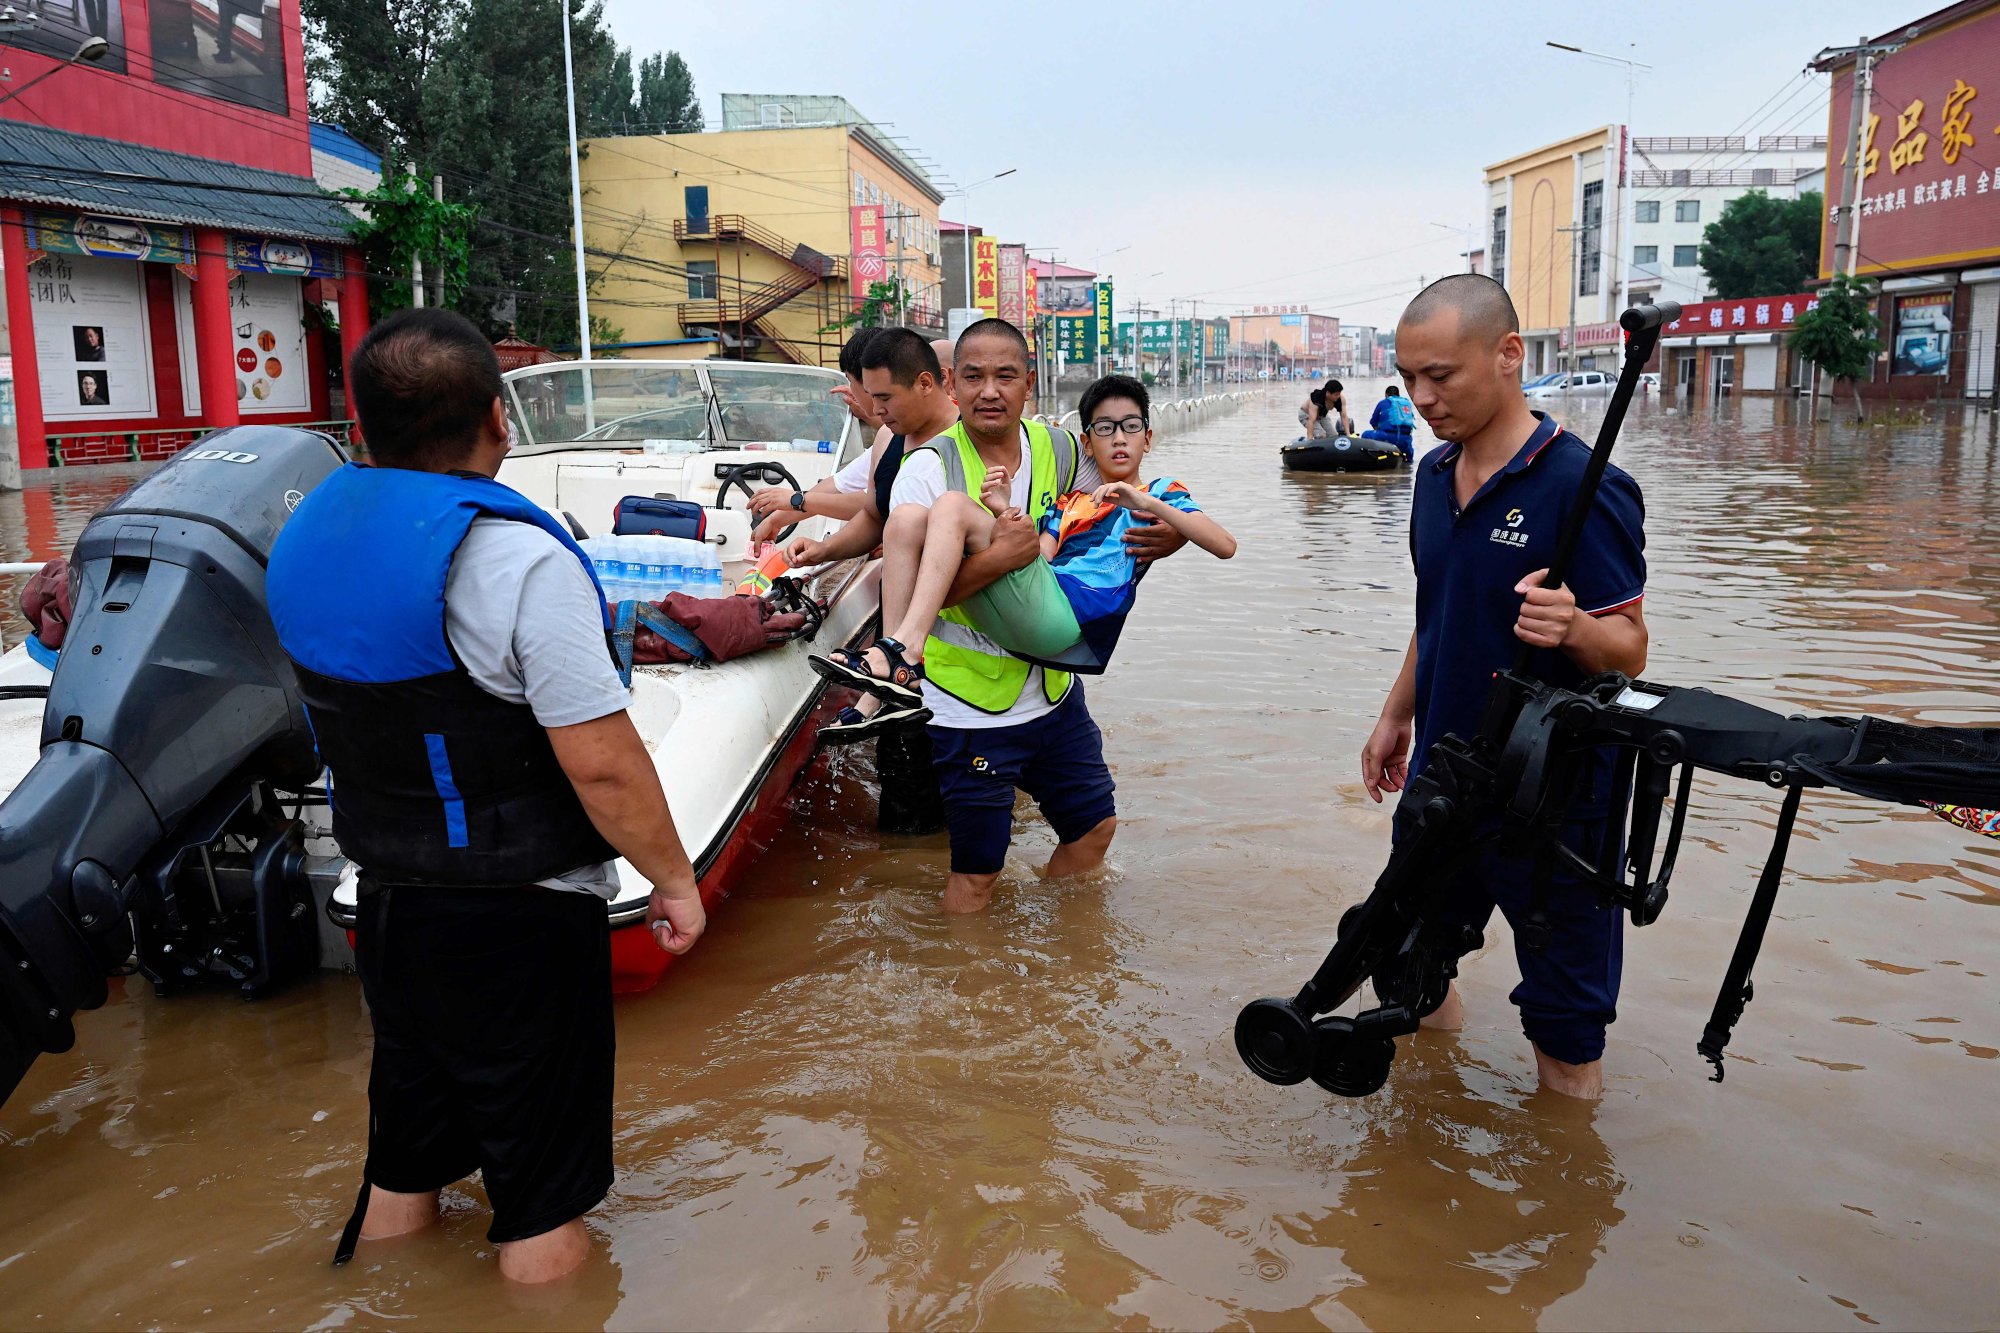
(151,821)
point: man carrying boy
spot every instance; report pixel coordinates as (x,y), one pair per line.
(1484,520)
(1001,722)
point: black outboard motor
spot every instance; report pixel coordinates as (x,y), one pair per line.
(151,820)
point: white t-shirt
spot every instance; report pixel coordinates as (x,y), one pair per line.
(524,619)
(858,475)
(921,482)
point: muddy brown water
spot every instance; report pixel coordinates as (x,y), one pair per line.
(847,1110)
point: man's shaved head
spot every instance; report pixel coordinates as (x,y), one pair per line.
(1483,306)
(1459,351)
(944,347)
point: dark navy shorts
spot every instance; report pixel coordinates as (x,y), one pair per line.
(1058,759)
(1569,988)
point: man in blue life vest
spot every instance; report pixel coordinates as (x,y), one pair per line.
(1394,422)
(1485,514)
(449,642)
(999,723)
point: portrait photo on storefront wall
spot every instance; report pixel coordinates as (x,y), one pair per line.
(230,49)
(93,388)
(89,340)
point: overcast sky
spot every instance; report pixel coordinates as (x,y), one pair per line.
(1246,153)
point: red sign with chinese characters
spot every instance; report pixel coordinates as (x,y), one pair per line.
(865,246)
(1929,194)
(1750,314)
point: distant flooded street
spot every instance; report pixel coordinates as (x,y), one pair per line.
(848,1110)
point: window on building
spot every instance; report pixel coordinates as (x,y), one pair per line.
(860,189)
(1497,251)
(1646,210)
(701,279)
(1687,256)
(1590,267)
(1645,254)
(1687,210)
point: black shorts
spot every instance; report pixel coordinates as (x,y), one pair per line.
(494,1047)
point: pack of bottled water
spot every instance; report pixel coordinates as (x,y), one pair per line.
(647,568)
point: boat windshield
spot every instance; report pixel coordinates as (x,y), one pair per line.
(670,406)
(775,404)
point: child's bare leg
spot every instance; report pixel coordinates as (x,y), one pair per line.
(958,527)
(902,549)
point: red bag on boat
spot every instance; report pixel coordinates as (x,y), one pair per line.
(45,602)
(729,627)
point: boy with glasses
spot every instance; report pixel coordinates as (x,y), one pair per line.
(1063,611)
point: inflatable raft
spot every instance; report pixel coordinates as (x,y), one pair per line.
(1342,453)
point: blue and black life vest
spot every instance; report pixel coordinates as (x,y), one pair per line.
(434,780)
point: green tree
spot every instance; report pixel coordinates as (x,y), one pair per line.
(473,90)
(1762,246)
(403,223)
(876,310)
(1838,334)
(666,103)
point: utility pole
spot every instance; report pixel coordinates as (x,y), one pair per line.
(437,196)
(416,269)
(1847,231)
(576,204)
(1575,276)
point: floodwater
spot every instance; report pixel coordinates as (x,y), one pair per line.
(847,1110)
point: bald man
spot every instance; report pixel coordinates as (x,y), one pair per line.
(1484,519)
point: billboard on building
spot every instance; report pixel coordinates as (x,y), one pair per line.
(1755,314)
(59,29)
(1102,295)
(1923,335)
(228,49)
(92,337)
(865,264)
(986,276)
(1929,196)
(1013,295)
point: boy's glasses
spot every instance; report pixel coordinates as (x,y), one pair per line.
(1104,430)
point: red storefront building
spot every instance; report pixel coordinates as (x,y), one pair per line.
(1929,224)
(169,265)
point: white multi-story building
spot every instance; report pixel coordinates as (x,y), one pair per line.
(1680,185)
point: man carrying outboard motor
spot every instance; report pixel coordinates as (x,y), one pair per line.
(449,640)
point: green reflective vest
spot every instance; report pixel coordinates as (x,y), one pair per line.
(958,659)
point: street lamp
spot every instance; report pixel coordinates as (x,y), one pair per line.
(965,237)
(1470,232)
(1633,68)
(93,49)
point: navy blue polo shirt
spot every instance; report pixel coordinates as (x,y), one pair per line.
(1469,561)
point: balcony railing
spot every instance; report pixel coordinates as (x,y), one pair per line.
(734,226)
(1705,178)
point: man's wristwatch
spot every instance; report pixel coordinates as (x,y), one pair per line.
(799,501)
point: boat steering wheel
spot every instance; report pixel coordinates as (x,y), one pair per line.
(742,474)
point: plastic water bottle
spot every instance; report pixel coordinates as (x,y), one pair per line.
(711,570)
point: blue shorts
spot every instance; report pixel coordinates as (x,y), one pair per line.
(1569,988)
(1058,759)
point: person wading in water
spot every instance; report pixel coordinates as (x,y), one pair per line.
(449,642)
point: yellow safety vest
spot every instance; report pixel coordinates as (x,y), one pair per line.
(958,659)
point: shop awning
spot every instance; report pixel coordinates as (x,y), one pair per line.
(39,165)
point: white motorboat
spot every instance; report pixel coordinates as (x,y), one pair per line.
(162,802)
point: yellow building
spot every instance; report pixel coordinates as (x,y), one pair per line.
(745,234)
(1554,229)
